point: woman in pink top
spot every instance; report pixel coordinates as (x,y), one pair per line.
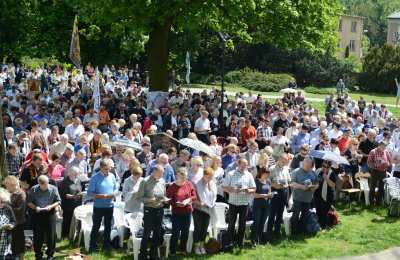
(55,169)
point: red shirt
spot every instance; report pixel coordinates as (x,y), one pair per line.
(379,160)
(180,193)
(343,143)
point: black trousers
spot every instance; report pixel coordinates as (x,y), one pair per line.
(44,231)
(278,203)
(98,215)
(322,208)
(298,208)
(201,221)
(376,181)
(66,224)
(180,231)
(152,220)
(232,215)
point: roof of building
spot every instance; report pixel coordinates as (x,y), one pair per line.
(395,15)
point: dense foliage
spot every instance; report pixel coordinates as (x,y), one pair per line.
(119,31)
(320,69)
(381,66)
(259,81)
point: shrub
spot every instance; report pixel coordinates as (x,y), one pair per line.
(33,63)
(380,68)
(259,81)
(319,90)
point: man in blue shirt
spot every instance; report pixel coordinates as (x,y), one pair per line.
(300,139)
(103,188)
(163,160)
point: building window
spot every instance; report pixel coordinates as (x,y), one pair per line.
(340,25)
(353,27)
(352,46)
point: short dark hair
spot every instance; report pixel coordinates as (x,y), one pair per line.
(261,171)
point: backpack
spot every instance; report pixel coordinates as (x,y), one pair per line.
(394,208)
(225,241)
(309,223)
(212,246)
(333,217)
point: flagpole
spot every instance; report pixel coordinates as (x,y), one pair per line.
(3,161)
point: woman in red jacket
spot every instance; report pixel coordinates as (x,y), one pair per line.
(182,194)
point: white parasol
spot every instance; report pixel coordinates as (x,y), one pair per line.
(127,144)
(197,145)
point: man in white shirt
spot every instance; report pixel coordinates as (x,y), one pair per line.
(202,127)
(74,130)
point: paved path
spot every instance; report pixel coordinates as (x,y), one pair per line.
(389,254)
(278,95)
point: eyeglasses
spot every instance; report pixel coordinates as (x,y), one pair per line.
(325,166)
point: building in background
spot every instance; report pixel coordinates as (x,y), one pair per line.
(351,29)
(393,35)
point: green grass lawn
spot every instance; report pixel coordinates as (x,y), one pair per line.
(362,230)
(368,96)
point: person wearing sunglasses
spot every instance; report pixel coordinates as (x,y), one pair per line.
(324,195)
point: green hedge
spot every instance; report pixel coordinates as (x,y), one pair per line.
(319,90)
(258,81)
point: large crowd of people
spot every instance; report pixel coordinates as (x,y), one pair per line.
(59,153)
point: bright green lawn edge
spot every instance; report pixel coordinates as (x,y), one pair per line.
(362,230)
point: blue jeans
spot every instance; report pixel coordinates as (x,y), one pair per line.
(98,215)
(180,228)
(260,215)
(152,220)
(278,203)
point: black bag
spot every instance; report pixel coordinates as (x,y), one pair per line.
(394,208)
(225,241)
(308,224)
(311,226)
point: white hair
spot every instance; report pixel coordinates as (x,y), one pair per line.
(43,178)
(4,195)
(74,169)
(9,129)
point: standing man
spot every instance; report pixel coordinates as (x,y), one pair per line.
(365,147)
(43,198)
(304,183)
(340,87)
(103,188)
(379,161)
(240,185)
(152,194)
(202,127)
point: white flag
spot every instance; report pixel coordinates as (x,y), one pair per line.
(187,67)
(96,92)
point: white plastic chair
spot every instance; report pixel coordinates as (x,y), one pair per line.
(364,187)
(220,223)
(134,221)
(286,221)
(86,229)
(119,223)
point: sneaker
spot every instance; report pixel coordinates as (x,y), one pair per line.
(197,250)
(203,250)
(253,244)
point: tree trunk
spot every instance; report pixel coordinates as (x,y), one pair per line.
(3,167)
(158,56)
